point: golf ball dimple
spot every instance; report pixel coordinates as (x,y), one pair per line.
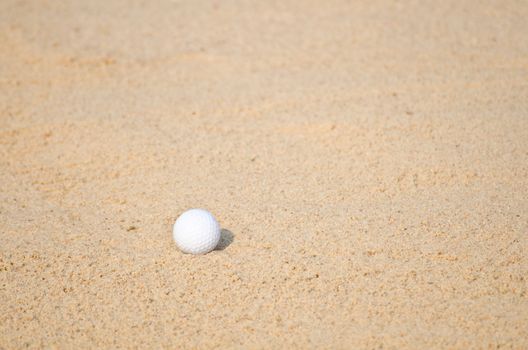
(196,231)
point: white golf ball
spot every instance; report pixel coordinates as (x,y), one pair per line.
(196,231)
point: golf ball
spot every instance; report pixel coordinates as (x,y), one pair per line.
(196,231)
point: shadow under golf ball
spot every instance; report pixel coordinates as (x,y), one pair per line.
(226,238)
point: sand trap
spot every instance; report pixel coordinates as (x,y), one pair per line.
(368,163)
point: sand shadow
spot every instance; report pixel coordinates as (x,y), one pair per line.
(226,238)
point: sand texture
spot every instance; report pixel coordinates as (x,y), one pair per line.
(367,161)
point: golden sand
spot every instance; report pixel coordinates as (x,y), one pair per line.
(368,162)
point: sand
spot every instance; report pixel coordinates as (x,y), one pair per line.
(368,162)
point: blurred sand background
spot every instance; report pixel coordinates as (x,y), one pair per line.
(368,161)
